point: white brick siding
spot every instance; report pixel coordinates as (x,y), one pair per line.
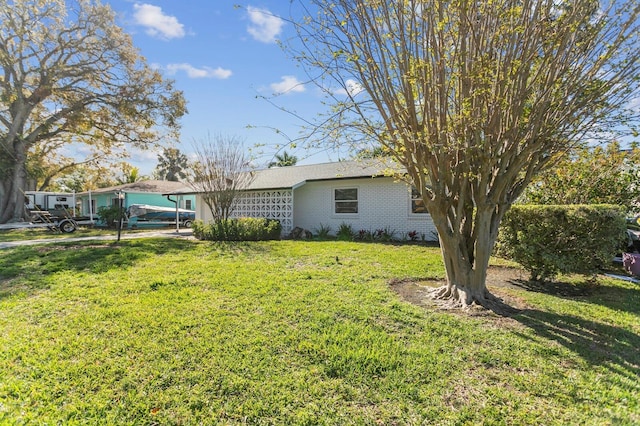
(383,203)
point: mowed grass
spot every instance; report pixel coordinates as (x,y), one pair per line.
(41,233)
(9,235)
(159,331)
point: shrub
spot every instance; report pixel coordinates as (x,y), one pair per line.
(240,229)
(345,232)
(548,240)
(323,231)
(384,235)
(110,215)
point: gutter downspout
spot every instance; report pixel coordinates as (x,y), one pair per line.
(168,196)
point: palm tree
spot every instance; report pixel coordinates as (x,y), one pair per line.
(130,174)
(283,160)
(172,165)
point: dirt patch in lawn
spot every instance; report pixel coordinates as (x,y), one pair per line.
(499,281)
(502,283)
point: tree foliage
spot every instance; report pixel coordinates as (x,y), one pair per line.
(129,174)
(473,98)
(173,165)
(220,172)
(70,75)
(590,175)
(86,178)
(283,160)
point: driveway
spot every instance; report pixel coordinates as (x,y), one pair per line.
(149,234)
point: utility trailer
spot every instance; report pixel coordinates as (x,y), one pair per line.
(52,210)
(43,219)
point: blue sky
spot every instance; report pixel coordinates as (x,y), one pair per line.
(224,59)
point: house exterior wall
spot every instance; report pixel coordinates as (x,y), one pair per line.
(383,203)
(269,204)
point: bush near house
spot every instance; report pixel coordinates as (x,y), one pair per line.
(240,229)
(548,240)
(110,215)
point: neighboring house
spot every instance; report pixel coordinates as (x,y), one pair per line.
(331,194)
(150,192)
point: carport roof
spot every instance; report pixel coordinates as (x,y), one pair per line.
(145,186)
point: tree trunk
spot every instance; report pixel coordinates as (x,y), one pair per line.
(14,197)
(466,260)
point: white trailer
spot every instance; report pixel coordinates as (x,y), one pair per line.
(50,201)
(53,210)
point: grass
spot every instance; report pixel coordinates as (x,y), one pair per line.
(157,331)
(44,233)
(9,235)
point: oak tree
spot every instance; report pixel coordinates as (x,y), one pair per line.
(69,76)
(473,98)
(172,165)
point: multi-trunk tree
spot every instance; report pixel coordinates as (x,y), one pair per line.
(220,172)
(473,98)
(70,75)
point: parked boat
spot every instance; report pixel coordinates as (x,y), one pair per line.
(144,215)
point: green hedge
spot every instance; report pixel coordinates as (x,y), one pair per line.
(241,229)
(547,240)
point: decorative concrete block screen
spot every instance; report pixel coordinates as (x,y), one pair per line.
(269,205)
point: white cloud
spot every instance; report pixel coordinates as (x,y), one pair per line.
(157,23)
(204,72)
(288,84)
(353,87)
(265,26)
(634,104)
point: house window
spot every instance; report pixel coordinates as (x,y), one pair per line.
(417,204)
(346,200)
(187,204)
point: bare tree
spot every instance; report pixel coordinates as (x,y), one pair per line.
(221,171)
(69,75)
(473,98)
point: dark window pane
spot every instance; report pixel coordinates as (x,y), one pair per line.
(346,207)
(417,205)
(346,194)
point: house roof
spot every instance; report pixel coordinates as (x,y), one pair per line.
(145,186)
(294,176)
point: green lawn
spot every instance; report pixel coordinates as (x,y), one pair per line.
(44,233)
(165,331)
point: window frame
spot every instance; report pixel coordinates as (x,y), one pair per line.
(336,201)
(414,198)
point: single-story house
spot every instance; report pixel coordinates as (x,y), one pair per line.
(149,192)
(355,193)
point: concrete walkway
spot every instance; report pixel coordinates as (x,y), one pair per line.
(150,234)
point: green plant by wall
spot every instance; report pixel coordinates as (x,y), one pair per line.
(345,232)
(323,231)
(110,215)
(240,229)
(551,240)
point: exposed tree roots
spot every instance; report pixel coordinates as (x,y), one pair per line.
(453,297)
